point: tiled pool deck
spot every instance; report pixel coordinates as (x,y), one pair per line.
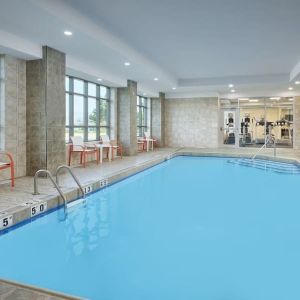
(12,202)
(10,290)
(23,191)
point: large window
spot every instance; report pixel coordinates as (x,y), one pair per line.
(87,109)
(249,122)
(141,116)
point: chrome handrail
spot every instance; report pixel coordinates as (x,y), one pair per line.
(36,192)
(72,174)
(274,146)
(262,147)
(265,146)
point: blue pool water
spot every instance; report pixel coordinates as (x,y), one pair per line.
(190,228)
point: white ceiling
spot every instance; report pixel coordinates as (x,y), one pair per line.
(206,38)
(198,46)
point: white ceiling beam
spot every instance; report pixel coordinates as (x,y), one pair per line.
(295,73)
(76,67)
(236,80)
(20,47)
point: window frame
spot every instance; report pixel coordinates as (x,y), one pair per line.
(71,127)
(142,106)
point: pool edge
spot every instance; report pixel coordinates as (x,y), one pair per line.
(36,291)
(22,214)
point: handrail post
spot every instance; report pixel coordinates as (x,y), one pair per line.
(262,147)
(72,174)
(36,192)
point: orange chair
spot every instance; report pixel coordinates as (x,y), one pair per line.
(79,147)
(141,146)
(10,164)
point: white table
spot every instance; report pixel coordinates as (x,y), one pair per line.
(148,142)
(101,147)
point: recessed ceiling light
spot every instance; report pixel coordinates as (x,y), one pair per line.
(253,100)
(232,91)
(99,79)
(243,99)
(230,85)
(290,88)
(155,79)
(173,88)
(127,63)
(275,98)
(297,82)
(68,33)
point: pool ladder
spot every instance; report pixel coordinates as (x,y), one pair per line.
(270,139)
(56,184)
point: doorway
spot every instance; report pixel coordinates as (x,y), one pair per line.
(229,130)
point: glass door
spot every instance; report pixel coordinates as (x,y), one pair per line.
(279,115)
(229,119)
(266,117)
(252,122)
(229,127)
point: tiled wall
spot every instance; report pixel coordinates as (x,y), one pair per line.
(46,111)
(14,112)
(55,107)
(296,131)
(157,119)
(126,109)
(113,114)
(2,102)
(36,116)
(191,122)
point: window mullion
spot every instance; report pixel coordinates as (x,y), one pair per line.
(108,113)
(85,110)
(85,113)
(98,111)
(71,106)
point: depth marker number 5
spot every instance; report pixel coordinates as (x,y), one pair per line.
(38,208)
(6,222)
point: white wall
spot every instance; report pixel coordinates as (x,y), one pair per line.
(191,122)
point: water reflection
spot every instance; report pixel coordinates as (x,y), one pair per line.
(87,226)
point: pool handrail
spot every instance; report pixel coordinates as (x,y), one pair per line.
(262,147)
(268,139)
(36,192)
(73,176)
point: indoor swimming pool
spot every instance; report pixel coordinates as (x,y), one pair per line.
(189,228)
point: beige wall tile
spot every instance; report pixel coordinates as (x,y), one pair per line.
(191,122)
(14,113)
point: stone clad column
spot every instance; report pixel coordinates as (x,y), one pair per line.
(127,131)
(46,110)
(296,125)
(158,119)
(13,112)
